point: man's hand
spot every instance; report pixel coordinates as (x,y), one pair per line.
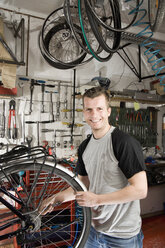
(55,200)
(87,199)
(48,205)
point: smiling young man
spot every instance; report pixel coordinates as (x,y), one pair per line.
(111,165)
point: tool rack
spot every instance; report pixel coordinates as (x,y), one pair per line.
(141,124)
(49,116)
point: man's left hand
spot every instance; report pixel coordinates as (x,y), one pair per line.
(86,199)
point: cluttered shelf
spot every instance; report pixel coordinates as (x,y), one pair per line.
(135,96)
(139,96)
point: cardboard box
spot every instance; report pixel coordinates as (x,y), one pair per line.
(156,85)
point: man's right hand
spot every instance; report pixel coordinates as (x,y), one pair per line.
(48,205)
(57,199)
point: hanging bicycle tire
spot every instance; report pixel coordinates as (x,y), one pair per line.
(52,62)
(156,13)
(25,182)
(55,29)
(61,45)
(109,27)
(72,16)
(111,44)
(95,54)
(49,59)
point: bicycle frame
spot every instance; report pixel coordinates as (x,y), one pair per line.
(15,211)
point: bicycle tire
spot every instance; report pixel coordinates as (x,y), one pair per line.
(116,36)
(66,52)
(52,26)
(134,13)
(156,14)
(69,16)
(49,59)
(52,62)
(94,53)
(76,31)
(69,46)
(47,230)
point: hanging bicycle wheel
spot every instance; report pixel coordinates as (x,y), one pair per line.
(126,9)
(62,46)
(156,13)
(25,183)
(49,59)
(57,43)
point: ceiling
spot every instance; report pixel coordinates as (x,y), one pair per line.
(45,7)
(41,7)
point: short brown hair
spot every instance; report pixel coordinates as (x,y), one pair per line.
(97,91)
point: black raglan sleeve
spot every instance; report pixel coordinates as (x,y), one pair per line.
(128,152)
(80,167)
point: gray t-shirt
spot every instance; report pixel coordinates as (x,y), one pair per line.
(105,176)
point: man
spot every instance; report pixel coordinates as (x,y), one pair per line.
(111,165)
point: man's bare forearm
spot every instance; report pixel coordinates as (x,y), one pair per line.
(65,196)
(69,194)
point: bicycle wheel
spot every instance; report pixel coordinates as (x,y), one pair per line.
(156,13)
(57,44)
(27,184)
(49,59)
(61,45)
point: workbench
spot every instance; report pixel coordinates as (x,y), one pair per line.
(154,203)
(156,173)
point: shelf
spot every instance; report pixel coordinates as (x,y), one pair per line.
(135,96)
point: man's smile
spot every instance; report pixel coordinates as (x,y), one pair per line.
(95,121)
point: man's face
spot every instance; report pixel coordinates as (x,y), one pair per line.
(96,112)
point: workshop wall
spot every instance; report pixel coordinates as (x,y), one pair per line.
(37,68)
